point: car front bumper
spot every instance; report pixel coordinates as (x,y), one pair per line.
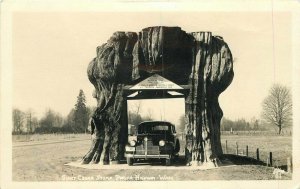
(153,153)
(146,156)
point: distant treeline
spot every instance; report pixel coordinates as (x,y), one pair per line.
(135,119)
(76,121)
(243,125)
(52,122)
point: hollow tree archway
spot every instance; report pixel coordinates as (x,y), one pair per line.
(198,60)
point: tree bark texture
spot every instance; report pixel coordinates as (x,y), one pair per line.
(197,59)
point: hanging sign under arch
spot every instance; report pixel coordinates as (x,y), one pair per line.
(155,82)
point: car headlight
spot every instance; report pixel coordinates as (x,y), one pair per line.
(132,143)
(162,143)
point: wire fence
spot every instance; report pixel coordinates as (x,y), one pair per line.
(258,133)
(277,159)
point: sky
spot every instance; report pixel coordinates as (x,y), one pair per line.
(51,52)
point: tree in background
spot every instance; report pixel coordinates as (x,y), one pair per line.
(53,122)
(227,124)
(24,122)
(277,107)
(255,124)
(68,126)
(149,116)
(31,121)
(241,125)
(134,118)
(81,114)
(137,106)
(29,125)
(50,123)
(18,121)
(181,126)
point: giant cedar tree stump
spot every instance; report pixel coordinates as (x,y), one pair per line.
(197,59)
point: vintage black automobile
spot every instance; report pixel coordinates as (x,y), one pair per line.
(153,140)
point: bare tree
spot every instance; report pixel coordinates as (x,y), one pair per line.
(277,107)
(18,120)
(134,116)
(181,125)
(149,115)
(137,107)
(29,123)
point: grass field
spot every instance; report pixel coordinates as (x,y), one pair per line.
(46,137)
(280,146)
(44,160)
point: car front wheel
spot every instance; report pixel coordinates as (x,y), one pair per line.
(168,161)
(130,161)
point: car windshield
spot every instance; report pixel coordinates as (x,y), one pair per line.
(154,128)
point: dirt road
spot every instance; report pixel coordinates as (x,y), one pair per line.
(46,162)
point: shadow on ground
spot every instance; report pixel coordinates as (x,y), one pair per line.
(226,159)
(244,160)
(177,162)
(240,160)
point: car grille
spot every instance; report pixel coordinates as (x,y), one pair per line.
(147,147)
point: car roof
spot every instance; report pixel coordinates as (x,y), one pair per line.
(158,122)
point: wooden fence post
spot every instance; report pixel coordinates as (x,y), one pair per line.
(271,159)
(237,148)
(226,150)
(247,154)
(257,153)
